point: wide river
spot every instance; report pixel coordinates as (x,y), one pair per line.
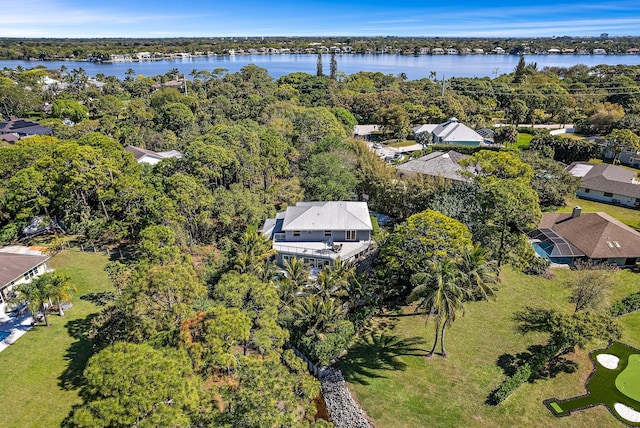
(415,67)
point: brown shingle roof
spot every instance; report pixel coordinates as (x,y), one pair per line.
(13,266)
(597,235)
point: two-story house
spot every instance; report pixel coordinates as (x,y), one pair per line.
(320,232)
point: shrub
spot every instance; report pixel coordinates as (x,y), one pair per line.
(629,304)
(522,374)
(537,266)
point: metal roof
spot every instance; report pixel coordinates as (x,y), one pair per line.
(560,247)
(330,215)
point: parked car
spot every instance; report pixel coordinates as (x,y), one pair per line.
(377,145)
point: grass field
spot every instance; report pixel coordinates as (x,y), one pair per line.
(523,141)
(627,216)
(398,387)
(40,373)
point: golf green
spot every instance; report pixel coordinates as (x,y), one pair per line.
(628,382)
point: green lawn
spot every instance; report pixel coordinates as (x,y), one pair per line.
(398,144)
(523,141)
(628,216)
(40,373)
(398,387)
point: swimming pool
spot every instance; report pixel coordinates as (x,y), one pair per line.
(4,335)
(541,249)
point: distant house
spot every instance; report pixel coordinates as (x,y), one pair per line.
(451,132)
(149,156)
(320,232)
(488,135)
(607,183)
(436,164)
(599,51)
(15,129)
(597,237)
(19,265)
(365,132)
(626,156)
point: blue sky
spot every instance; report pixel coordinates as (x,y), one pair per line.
(187,18)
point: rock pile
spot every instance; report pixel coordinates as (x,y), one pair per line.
(344,411)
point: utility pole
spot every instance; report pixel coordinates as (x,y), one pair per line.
(442,94)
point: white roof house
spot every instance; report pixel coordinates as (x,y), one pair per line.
(334,215)
(454,132)
(365,131)
(320,232)
(149,156)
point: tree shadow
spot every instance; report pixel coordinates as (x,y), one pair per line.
(375,352)
(78,353)
(99,299)
(509,364)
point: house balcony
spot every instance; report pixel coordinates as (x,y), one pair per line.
(340,250)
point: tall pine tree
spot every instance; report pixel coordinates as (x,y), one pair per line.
(319,71)
(333,66)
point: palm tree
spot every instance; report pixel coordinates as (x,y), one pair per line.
(43,289)
(60,288)
(333,280)
(251,250)
(479,273)
(439,292)
(293,281)
(34,294)
(318,316)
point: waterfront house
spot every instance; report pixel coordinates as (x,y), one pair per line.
(320,232)
(607,183)
(595,237)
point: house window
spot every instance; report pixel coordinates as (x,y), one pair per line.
(327,234)
(296,233)
(587,190)
(309,262)
(350,235)
(608,195)
(286,258)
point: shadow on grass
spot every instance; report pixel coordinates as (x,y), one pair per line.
(98,299)
(376,352)
(510,363)
(78,353)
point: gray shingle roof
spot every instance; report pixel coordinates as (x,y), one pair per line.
(606,178)
(437,164)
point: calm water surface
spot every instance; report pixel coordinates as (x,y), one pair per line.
(415,67)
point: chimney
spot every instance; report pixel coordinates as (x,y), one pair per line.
(576,212)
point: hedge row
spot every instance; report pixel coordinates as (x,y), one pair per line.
(631,303)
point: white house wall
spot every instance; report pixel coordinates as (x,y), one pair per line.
(596,195)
